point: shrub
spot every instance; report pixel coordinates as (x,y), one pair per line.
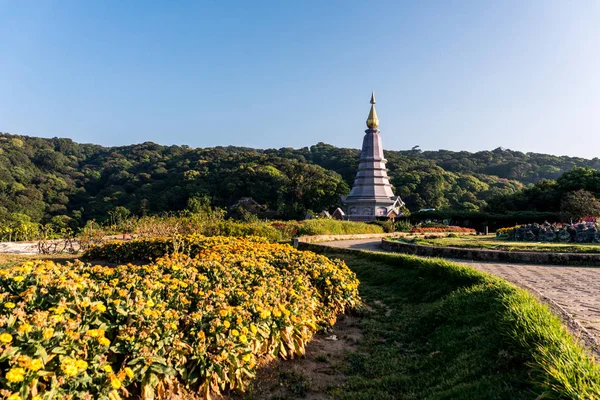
(178,325)
(387,226)
(274,231)
(443,229)
(505,232)
(403,226)
(148,249)
(313,227)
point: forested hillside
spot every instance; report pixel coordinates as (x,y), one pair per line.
(58,180)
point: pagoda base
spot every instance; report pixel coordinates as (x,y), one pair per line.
(369,209)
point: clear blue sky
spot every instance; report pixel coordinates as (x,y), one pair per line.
(457,75)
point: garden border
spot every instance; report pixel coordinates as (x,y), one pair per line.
(525,257)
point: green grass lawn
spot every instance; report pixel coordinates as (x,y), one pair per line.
(443,331)
(493,243)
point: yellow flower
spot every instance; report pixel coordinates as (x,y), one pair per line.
(57,318)
(226,324)
(247,357)
(100,307)
(15,396)
(129,372)
(93,333)
(81,364)
(253,328)
(48,333)
(10,305)
(276,313)
(115,383)
(107,368)
(104,341)
(24,361)
(243,339)
(36,364)
(235,332)
(223,313)
(25,328)
(18,278)
(15,375)
(59,310)
(37,397)
(70,369)
(6,337)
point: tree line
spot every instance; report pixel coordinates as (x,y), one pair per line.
(65,183)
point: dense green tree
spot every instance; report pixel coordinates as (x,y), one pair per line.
(42,179)
(578,204)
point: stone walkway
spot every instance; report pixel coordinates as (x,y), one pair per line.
(571,292)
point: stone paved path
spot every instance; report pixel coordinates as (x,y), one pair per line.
(574,291)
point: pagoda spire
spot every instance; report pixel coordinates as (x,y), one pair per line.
(372,120)
(372,196)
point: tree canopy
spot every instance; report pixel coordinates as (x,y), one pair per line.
(44,180)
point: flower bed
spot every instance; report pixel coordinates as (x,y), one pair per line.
(180,326)
(148,249)
(443,229)
(584,232)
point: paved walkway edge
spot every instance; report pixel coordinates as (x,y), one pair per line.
(580,333)
(502,256)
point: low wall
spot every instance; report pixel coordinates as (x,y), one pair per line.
(358,236)
(331,238)
(526,257)
(321,248)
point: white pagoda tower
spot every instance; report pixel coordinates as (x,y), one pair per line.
(371,195)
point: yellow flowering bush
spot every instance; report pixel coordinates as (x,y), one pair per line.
(179,325)
(505,232)
(148,249)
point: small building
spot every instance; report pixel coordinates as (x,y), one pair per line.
(371,196)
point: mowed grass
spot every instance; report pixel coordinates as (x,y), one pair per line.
(442,331)
(493,243)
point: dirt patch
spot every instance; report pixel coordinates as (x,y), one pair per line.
(312,376)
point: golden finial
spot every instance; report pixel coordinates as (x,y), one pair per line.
(372,120)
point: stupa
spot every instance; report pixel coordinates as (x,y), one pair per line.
(371,195)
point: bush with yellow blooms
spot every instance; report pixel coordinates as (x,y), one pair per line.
(185,324)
